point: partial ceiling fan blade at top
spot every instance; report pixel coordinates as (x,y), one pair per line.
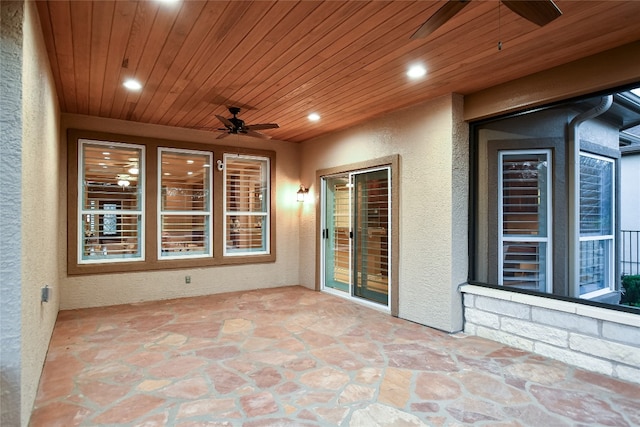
(540,12)
(225,121)
(442,15)
(257,134)
(261,126)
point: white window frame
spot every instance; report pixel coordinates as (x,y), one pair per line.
(208,214)
(610,238)
(81,212)
(266,216)
(521,239)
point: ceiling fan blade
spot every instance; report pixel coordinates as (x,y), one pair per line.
(257,134)
(442,15)
(223,135)
(261,126)
(540,12)
(225,121)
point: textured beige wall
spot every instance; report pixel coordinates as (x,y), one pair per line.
(40,209)
(432,141)
(111,289)
(11,54)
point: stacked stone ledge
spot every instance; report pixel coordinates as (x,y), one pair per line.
(592,344)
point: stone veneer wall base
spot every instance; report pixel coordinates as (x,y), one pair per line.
(592,338)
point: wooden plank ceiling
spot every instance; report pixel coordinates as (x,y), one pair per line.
(281,60)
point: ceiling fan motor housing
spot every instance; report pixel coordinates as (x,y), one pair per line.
(238,124)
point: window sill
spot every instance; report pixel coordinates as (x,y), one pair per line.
(166,264)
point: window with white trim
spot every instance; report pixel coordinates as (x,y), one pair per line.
(524,219)
(596,224)
(185,203)
(246,201)
(111,202)
(139,204)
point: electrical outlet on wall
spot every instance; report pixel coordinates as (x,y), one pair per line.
(44,295)
(187,279)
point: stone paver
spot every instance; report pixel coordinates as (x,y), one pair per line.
(294,357)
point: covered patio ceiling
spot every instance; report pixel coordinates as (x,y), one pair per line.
(279,61)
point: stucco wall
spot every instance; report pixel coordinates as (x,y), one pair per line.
(111,289)
(11,16)
(29,183)
(432,141)
(40,209)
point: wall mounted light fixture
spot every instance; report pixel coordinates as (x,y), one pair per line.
(302,193)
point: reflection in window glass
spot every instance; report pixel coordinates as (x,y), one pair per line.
(524,211)
(110,221)
(246,201)
(111,201)
(596,224)
(185,203)
(561,227)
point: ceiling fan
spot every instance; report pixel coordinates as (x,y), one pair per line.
(234,125)
(540,12)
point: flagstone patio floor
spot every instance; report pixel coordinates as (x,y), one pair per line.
(294,357)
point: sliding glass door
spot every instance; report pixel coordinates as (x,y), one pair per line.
(336,233)
(371,236)
(356,234)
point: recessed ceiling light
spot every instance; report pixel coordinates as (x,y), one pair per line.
(314,117)
(132,84)
(189,162)
(416,71)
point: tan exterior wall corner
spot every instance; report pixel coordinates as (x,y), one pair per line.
(433,197)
